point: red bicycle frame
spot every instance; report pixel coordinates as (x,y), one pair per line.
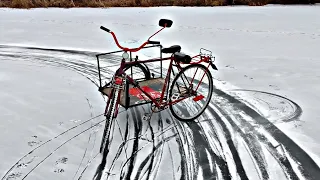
(159,102)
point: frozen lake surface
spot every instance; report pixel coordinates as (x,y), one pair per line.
(270,50)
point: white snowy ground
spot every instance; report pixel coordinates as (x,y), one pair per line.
(271,48)
(38,102)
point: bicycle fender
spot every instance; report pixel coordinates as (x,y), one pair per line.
(214,66)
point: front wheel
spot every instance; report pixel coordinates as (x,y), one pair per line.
(190,92)
(110,114)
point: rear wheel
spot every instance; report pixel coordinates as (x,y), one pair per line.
(138,71)
(190,92)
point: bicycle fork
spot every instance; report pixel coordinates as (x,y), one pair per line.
(114,98)
(111,111)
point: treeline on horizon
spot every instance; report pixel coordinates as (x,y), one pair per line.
(142,3)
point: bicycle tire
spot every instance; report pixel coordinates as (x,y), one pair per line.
(144,70)
(109,118)
(210,84)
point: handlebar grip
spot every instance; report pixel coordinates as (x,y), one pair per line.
(153,42)
(104,28)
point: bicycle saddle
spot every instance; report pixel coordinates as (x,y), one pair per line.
(171,49)
(180,57)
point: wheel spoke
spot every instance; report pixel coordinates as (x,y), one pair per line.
(191,92)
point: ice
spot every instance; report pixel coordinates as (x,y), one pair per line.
(271,48)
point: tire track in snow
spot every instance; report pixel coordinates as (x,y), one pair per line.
(52,152)
(89,139)
(307,166)
(188,164)
(137,127)
(202,145)
(282,160)
(33,151)
(227,134)
(156,153)
(291,117)
(79,67)
(152,153)
(250,140)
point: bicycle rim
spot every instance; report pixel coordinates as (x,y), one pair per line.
(138,71)
(191,92)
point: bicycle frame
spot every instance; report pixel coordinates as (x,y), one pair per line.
(120,76)
(158,102)
(121,81)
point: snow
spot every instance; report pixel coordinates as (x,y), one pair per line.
(37,103)
(271,48)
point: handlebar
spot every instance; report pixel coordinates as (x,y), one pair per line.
(104,28)
(131,49)
(153,42)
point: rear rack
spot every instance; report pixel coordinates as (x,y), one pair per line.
(206,52)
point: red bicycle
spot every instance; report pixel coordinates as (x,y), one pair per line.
(189,93)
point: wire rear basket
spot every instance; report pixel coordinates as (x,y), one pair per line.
(109,63)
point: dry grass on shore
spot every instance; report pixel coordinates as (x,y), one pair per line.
(142,3)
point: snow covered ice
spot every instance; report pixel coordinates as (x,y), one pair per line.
(270,50)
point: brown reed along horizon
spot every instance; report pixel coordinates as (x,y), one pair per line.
(141,3)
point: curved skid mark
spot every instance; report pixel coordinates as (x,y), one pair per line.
(256,165)
(249,138)
(189,151)
(184,160)
(134,154)
(172,163)
(200,152)
(84,154)
(87,165)
(308,167)
(204,160)
(88,53)
(86,149)
(297,109)
(59,148)
(188,164)
(39,146)
(138,126)
(159,153)
(150,157)
(84,68)
(101,168)
(124,143)
(261,137)
(235,154)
